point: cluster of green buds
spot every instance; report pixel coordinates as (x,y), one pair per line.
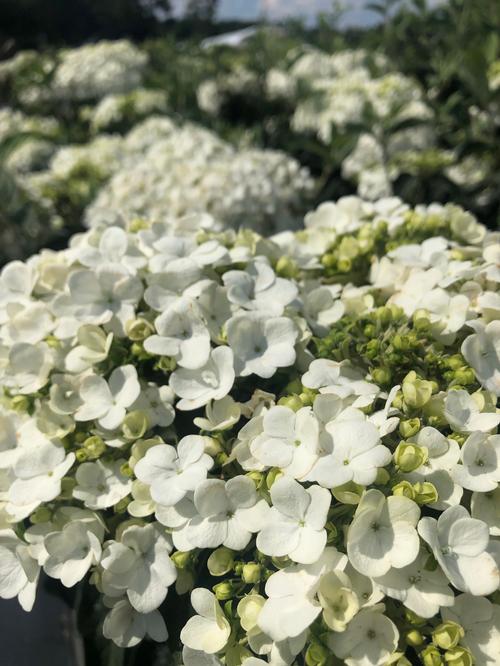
(297,396)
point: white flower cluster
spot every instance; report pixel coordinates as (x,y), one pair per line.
(114,109)
(212,94)
(14,122)
(95,70)
(309,418)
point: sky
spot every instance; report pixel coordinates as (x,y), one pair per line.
(250,10)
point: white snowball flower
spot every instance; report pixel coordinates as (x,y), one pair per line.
(172,473)
(422,591)
(480,620)
(115,246)
(482,351)
(261,343)
(18,570)
(292,605)
(72,551)
(461,546)
(228,513)
(212,381)
(355,454)
(100,485)
(30,322)
(94,345)
(209,630)
(183,335)
(369,640)
(258,288)
(463,413)
(382,534)
(220,415)
(156,402)
(140,566)
(486,507)
(289,440)
(107,401)
(126,627)
(295,526)
(480,468)
(28,367)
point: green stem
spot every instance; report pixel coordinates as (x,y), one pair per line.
(116,655)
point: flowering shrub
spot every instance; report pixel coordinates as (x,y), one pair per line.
(298,431)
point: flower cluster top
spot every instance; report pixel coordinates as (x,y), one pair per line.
(299,431)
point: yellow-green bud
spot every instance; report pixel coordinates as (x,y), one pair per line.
(166,364)
(126,470)
(224,590)
(416,392)
(139,329)
(181,558)
(421,320)
(138,224)
(273,475)
(292,401)
(381,375)
(414,619)
(344,265)
(251,573)
(465,376)
(307,397)
(281,562)
(121,506)
(52,342)
(431,656)
(404,489)
(257,477)
(67,485)
(20,403)
(402,661)
(414,638)
(425,492)
(348,493)
(409,457)
(328,260)
(81,455)
(383,315)
(40,515)
(409,428)
(94,447)
(458,656)
(447,635)
(221,561)
(135,424)
(382,477)
(286,267)
(316,655)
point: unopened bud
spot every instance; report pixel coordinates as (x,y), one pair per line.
(447,635)
(409,457)
(221,561)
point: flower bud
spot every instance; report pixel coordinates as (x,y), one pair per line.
(139,329)
(348,493)
(447,635)
(121,506)
(383,315)
(135,424)
(181,559)
(465,376)
(280,562)
(414,619)
(67,485)
(224,591)
(458,656)
(248,610)
(409,457)
(166,364)
(273,475)
(381,376)
(20,403)
(40,515)
(409,428)
(425,492)
(316,655)
(404,489)
(126,470)
(414,638)
(94,447)
(81,455)
(344,265)
(251,573)
(402,661)
(307,397)
(286,267)
(292,401)
(221,561)
(431,656)
(138,224)
(416,392)
(421,320)
(328,260)
(257,477)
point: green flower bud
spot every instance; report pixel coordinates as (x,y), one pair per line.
(382,478)
(40,515)
(425,492)
(20,403)
(401,342)
(370,331)
(344,265)
(409,457)
(121,506)
(280,562)
(414,619)
(381,376)
(458,656)
(224,590)
(431,656)
(126,470)
(465,376)
(52,342)
(383,315)
(307,397)
(295,386)
(221,561)
(328,260)
(251,573)
(292,401)
(421,320)
(257,477)
(409,428)
(81,455)
(404,489)
(316,655)
(416,392)
(94,447)
(348,493)
(402,661)
(181,559)
(286,267)
(135,424)
(139,329)
(166,364)
(348,248)
(68,483)
(414,638)
(447,635)
(138,225)
(273,475)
